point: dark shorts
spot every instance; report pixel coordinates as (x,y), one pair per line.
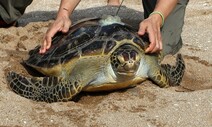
(172,28)
(11,10)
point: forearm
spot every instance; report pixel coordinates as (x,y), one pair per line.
(165,6)
(67,7)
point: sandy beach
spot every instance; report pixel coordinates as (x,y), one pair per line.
(147,105)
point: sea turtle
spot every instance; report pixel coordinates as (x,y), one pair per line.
(98,54)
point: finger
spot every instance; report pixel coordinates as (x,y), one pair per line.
(157,42)
(158,46)
(152,39)
(48,42)
(50,34)
(160,40)
(42,49)
(142,29)
(161,45)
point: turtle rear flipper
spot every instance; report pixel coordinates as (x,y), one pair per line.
(48,89)
(175,73)
(168,75)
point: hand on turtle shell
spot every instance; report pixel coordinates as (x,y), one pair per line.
(62,24)
(151,26)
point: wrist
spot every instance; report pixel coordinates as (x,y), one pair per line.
(158,16)
(64,13)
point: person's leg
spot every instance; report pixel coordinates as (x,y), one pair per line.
(148,6)
(11,10)
(113,2)
(172,28)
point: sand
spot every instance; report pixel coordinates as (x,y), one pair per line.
(146,105)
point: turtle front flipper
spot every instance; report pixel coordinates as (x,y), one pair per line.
(48,89)
(168,75)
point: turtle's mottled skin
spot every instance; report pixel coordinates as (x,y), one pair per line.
(95,55)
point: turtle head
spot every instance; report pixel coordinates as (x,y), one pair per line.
(125,61)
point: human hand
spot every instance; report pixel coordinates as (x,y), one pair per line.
(60,24)
(151,26)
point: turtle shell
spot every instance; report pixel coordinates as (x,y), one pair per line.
(86,38)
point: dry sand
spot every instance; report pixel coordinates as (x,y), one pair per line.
(143,106)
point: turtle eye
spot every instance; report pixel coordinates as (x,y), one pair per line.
(125,56)
(133,55)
